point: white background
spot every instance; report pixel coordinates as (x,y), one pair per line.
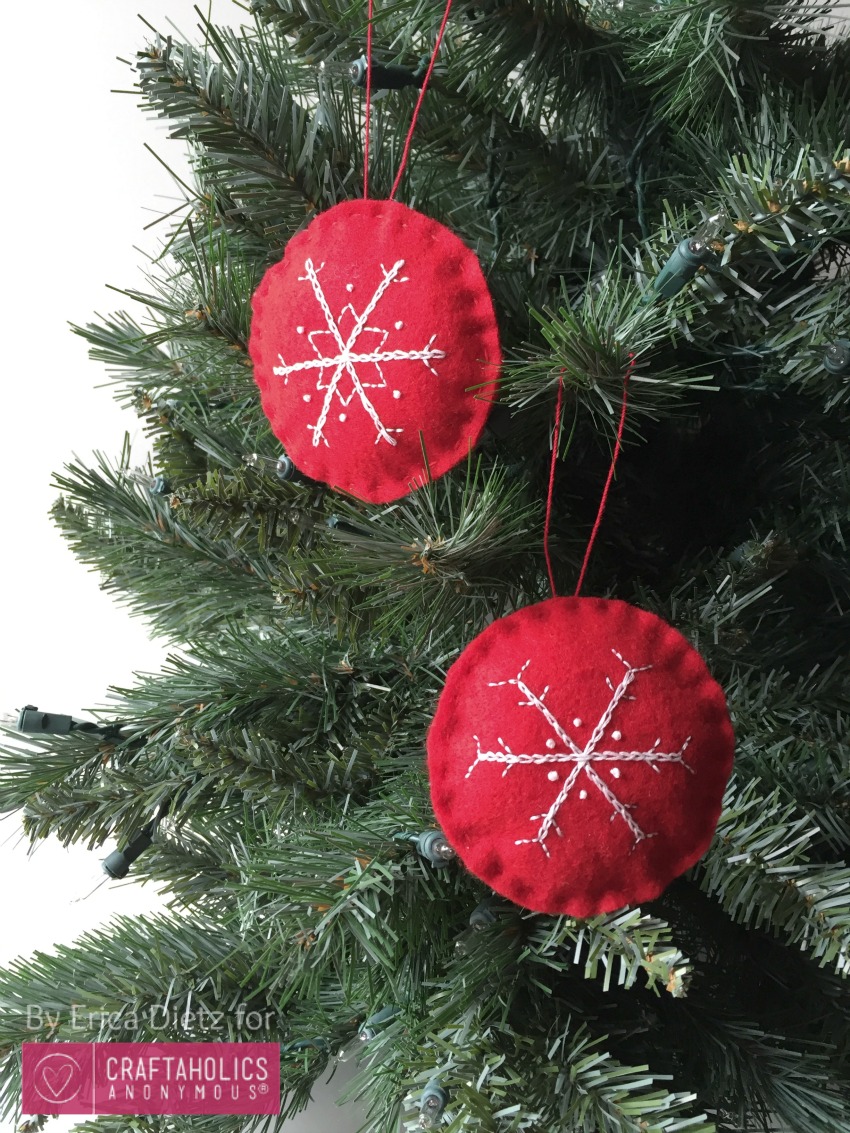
(77,191)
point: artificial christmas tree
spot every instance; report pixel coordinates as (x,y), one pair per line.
(659,188)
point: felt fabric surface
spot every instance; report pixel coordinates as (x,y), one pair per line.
(371,340)
(578,756)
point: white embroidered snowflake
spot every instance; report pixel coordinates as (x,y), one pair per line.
(583,759)
(342,356)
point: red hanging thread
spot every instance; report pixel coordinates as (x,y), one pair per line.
(424,87)
(604,500)
(555,441)
(368,102)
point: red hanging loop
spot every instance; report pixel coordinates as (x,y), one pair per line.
(604,500)
(424,87)
(555,440)
(368,102)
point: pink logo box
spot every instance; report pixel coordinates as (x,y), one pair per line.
(137,1078)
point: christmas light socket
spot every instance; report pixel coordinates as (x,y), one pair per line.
(31,720)
(836,357)
(434,1100)
(435,848)
(386,76)
(117,865)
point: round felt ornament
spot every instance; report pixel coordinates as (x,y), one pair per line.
(375,348)
(578,756)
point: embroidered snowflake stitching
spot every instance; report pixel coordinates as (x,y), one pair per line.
(582,758)
(347,357)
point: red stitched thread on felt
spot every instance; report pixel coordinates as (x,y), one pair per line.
(555,441)
(604,499)
(424,87)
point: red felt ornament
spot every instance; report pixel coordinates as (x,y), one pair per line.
(578,756)
(372,341)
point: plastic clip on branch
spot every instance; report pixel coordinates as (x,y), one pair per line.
(691,254)
(387,76)
(433,1102)
(836,358)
